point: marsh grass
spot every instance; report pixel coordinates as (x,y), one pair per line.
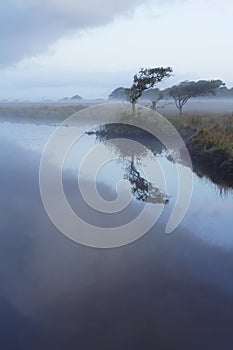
(209,138)
(208,132)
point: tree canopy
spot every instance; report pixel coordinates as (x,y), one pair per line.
(188,89)
(146,79)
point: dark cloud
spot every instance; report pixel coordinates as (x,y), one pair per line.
(29,27)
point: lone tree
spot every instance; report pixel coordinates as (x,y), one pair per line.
(146,79)
(188,89)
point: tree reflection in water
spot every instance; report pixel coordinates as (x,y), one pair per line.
(142,189)
(132,157)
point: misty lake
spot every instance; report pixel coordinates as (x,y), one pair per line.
(160,292)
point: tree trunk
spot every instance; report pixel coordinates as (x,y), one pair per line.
(180,109)
(133,108)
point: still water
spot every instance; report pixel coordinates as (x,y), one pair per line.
(160,292)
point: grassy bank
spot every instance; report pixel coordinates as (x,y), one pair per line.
(210,142)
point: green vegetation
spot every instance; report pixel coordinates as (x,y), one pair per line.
(210,142)
(213,130)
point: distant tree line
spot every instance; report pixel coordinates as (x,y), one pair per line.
(121,93)
(146,79)
(73,98)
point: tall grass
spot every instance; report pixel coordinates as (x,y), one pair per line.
(210,132)
(210,140)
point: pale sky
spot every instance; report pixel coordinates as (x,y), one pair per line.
(57,48)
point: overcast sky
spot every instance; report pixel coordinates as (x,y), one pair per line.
(57,48)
